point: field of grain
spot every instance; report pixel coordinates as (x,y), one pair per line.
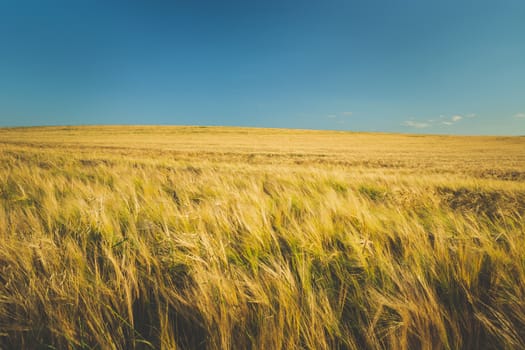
(237,238)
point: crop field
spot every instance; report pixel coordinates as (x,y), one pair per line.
(145,237)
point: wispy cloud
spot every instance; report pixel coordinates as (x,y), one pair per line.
(519,115)
(416,124)
(442,120)
(340,117)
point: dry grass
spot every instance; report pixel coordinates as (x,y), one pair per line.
(232,238)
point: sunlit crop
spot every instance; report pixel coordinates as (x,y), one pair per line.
(232,238)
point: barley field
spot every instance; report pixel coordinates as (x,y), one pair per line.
(145,237)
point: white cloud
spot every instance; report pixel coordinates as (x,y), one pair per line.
(339,116)
(519,115)
(415,124)
(450,121)
(442,121)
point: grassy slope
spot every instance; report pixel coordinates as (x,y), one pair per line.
(166,237)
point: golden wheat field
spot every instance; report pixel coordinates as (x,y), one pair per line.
(238,238)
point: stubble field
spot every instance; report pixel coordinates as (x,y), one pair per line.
(236,238)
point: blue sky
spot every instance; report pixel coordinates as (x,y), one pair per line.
(397,66)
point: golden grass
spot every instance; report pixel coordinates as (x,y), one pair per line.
(234,238)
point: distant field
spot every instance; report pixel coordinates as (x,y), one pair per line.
(235,238)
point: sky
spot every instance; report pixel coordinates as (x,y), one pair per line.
(415,66)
